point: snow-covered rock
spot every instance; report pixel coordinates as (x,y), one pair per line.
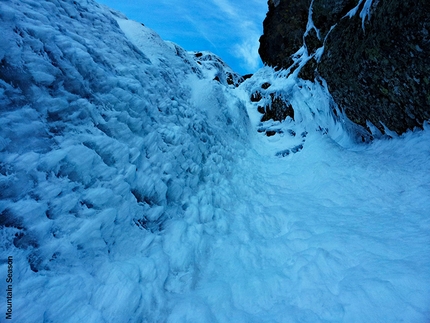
(374,55)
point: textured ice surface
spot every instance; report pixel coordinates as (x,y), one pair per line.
(135,188)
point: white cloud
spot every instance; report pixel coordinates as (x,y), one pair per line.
(230,29)
(227,8)
(245,28)
(200,28)
(248,52)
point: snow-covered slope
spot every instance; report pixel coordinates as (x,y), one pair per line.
(136,188)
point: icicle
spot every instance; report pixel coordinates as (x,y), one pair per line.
(365,12)
(354,10)
(310,25)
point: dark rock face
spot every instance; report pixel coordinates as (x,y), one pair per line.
(275,108)
(278,109)
(284,26)
(380,74)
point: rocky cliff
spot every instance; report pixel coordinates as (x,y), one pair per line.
(376,55)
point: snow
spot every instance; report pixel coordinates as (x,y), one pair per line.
(136,188)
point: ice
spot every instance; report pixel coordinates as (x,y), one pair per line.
(136,187)
(364,13)
(310,24)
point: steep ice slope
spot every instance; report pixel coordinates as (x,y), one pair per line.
(101,144)
(135,188)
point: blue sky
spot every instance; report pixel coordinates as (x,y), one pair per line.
(229,29)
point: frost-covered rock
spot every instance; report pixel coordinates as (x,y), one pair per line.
(374,55)
(214,67)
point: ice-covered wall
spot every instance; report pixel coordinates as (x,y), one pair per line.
(106,131)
